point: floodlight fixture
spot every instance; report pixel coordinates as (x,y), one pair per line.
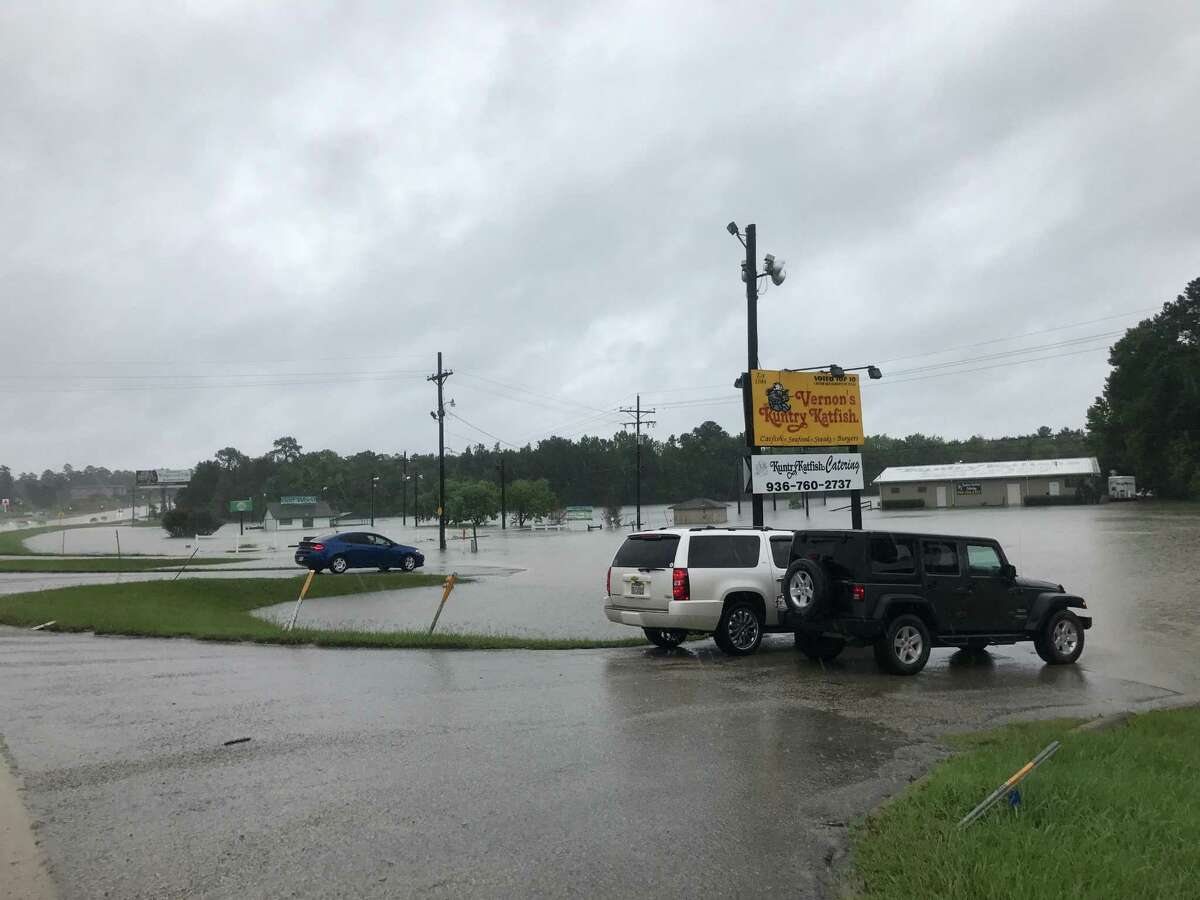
(837,371)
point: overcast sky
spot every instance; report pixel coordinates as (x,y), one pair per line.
(223,222)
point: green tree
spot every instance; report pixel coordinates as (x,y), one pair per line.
(530,499)
(1147,421)
(472,503)
(287,449)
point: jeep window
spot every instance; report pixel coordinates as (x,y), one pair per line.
(939,557)
(982,559)
(781,552)
(714,551)
(892,557)
(834,551)
(648,551)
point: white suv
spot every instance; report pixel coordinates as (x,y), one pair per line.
(720,581)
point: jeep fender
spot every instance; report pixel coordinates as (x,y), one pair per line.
(1049,603)
(889,603)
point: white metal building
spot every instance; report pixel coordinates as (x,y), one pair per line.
(1007,483)
(312,516)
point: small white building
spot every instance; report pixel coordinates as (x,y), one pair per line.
(1122,487)
(701,511)
(308,516)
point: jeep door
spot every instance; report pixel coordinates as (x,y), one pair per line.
(991,593)
(945,585)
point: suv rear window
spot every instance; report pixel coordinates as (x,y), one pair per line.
(649,551)
(723,551)
(892,557)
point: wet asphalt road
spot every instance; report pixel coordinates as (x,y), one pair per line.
(391,774)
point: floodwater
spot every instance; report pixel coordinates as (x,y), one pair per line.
(1138,565)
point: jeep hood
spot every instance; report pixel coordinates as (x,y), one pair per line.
(1038,584)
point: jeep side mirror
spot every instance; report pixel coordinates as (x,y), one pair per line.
(1008,570)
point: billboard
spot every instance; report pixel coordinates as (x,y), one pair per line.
(578,513)
(805,473)
(297,501)
(241,506)
(163,477)
(805,409)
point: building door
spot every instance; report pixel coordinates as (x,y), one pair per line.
(941,496)
(1054,489)
(1014,493)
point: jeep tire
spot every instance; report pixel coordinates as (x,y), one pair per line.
(1060,639)
(667,638)
(806,589)
(740,630)
(904,647)
(818,647)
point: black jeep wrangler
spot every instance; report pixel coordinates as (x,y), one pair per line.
(907,593)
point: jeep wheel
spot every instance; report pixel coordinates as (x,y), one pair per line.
(805,588)
(818,647)
(904,647)
(1060,640)
(665,637)
(740,630)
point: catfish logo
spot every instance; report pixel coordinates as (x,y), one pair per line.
(777,398)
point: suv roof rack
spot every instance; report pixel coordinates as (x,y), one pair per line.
(735,528)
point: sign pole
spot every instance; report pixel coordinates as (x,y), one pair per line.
(750,273)
(856,504)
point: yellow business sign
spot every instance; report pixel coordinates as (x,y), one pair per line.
(805,409)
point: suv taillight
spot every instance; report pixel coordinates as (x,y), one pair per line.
(858,592)
(680,588)
(608,582)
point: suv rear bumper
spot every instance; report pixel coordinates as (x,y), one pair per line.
(694,615)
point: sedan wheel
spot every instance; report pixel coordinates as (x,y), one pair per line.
(338,565)
(409,563)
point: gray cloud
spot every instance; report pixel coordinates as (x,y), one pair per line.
(265,199)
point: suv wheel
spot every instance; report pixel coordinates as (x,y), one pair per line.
(904,647)
(805,588)
(740,630)
(1060,640)
(665,637)
(818,647)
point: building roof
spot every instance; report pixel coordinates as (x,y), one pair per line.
(318,510)
(1013,468)
(699,503)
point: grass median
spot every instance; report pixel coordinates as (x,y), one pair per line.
(1112,814)
(108,563)
(220,609)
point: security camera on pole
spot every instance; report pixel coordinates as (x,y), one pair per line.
(750,275)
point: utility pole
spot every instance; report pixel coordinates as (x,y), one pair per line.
(750,275)
(637,412)
(440,377)
(503,504)
(404,489)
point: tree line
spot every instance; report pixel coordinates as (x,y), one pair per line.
(1145,423)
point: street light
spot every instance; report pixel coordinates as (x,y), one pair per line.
(374,478)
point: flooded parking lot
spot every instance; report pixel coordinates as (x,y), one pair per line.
(1136,563)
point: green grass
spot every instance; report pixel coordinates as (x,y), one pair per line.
(219,609)
(108,563)
(1112,814)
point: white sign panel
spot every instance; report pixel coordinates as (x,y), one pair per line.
(805,473)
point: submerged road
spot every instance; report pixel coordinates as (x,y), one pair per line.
(510,773)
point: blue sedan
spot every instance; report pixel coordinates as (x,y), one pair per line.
(357,550)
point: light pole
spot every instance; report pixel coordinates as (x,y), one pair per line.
(750,275)
(374,478)
(404,490)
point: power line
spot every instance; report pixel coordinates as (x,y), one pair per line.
(481,431)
